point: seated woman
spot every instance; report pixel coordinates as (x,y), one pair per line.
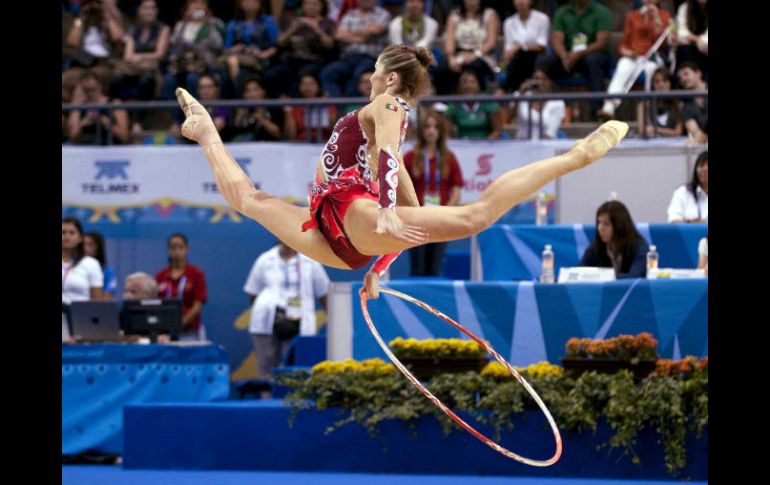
(665,117)
(475,121)
(552,112)
(617,243)
(317,120)
(250,41)
(690,202)
(138,75)
(255,123)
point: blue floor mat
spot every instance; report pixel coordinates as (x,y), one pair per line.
(115,475)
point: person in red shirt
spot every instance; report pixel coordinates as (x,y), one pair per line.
(181,279)
(642,29)
(440,184)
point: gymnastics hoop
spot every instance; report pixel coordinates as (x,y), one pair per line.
(527,461)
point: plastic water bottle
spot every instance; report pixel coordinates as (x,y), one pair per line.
(652,258)
(547,275)
(541,210)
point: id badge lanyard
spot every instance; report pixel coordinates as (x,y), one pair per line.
(179,289)
(432,197)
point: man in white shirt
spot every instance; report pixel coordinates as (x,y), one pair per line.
(283,286)
(413,28)
(526,36)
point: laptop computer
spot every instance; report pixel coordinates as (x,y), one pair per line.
(95,321)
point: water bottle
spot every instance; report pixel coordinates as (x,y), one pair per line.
(541,210)
(652,258)
(547,275)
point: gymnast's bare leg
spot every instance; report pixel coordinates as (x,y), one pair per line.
(282,219)
(446,223)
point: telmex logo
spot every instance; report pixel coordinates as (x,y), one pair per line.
(484,163)
(111,169)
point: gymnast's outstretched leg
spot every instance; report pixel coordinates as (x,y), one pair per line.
(446,223)
(282,219)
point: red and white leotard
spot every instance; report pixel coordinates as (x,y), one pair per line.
(348,177)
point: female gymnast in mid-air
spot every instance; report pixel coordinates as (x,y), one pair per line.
(363,204)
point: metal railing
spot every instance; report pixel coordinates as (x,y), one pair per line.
(653,96)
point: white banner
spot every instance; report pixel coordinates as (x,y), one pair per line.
(141,175)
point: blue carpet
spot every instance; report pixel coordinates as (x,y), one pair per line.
(115,475)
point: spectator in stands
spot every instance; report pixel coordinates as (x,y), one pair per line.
(208,90)
(692,33)
(579,36)
(695,111)
(185,281)
(309,123)
(305,47)
(526,36)
(690,202)
(552,112)
(642,29)
(617,244)
(665,118)
(469,41)
(95,36)
(81,276)
(437,180)
(96,126)
(254,123)
(250,41)
(362,32)
(140,286)
(283,286)
(93,245)
(138,76)
(474,121)
(413,27)
(703,255)
(196,43)
(363,89)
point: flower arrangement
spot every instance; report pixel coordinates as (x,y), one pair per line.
(436,348)
(682,369)
(371,392)
(624,347)
(372,366)
(541,369)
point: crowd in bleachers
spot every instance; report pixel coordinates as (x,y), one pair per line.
(114,51)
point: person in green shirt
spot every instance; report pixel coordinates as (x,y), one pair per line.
(580,35)
(475,121)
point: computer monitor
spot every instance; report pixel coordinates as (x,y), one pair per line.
(152,317)
(95,320)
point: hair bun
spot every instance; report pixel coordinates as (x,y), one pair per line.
(424,56)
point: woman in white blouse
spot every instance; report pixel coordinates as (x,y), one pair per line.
(469,42)
(690,202)
(81,276)
(526,36)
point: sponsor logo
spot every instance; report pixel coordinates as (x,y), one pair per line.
(484,169)
(484,163)
(111,178)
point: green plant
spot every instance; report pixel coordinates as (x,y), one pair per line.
(370,392)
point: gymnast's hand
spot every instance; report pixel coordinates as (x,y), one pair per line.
(388,222)
(372,284)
